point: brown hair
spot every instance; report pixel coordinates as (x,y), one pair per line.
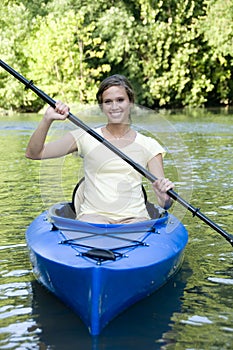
(115,80)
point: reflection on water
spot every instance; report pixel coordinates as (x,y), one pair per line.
(193,311)
(149,319)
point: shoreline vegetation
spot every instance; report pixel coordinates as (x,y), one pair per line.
(178,54)
(192,112)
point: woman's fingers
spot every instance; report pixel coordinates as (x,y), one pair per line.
(163,184)
(60,112)
(62,108)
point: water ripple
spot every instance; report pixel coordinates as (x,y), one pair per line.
(228,281)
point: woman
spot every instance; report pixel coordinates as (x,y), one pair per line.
(112,190)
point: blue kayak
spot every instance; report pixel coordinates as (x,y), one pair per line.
(99,270)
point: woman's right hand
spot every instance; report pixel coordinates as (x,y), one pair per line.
(37,149)
(60,112)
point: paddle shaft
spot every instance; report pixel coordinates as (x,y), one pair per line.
(136,166)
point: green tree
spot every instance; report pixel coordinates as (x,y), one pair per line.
(217,28)
(177,53)
(14,26)
(62,52)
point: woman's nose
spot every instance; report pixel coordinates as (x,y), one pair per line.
(114,105)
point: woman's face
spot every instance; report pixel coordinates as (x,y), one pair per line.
(116,105)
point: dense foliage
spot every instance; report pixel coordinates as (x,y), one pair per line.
(176,52)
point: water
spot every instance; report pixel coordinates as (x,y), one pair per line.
(193,311)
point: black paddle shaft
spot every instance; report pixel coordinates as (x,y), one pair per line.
(195,211)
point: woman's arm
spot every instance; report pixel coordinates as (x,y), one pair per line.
(162,184)
(38,149)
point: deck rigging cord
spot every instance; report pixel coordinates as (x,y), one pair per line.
(104,254)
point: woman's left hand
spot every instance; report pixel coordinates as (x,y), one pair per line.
(161,186)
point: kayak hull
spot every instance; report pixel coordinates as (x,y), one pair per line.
(98,290)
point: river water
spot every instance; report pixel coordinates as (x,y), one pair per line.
(193,311)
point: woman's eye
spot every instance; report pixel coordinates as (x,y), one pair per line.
(118,100)
(107,102)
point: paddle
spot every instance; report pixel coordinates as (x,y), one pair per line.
(136,166)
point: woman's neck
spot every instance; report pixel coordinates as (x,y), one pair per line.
(118,131)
